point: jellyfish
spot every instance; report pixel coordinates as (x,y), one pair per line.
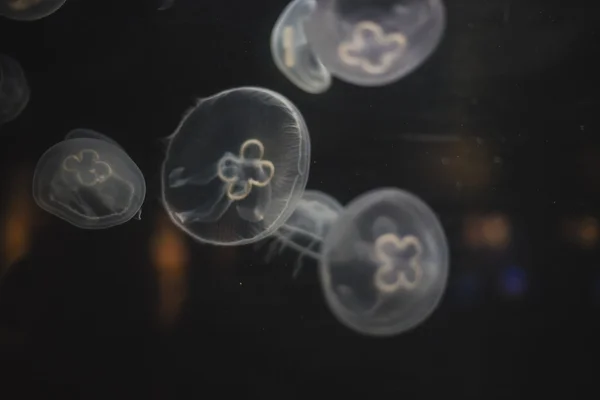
(29,10)
(305,229)
(236,166)
(84,133)
(363,42)
(90,183)
(14,89)
(166,4)
(383,264)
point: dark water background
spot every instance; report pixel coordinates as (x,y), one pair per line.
(498,132)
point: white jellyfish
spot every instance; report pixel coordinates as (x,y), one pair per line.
(364,42)
(29,10)
(236,166)
(14,89)
(90,183)
(383,262)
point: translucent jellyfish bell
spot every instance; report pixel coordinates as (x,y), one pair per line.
(14,89)
(364,42)
(89,183)
(84,133)
(236,166)
(384,263)
(292,53)
(29,10)
(306,228)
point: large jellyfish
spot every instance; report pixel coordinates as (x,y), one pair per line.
(29,10)
(14,89)
(364,42)
(236,166)
(383,263)
(90,183)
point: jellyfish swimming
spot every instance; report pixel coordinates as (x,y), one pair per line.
(236,166)
(84,133)
(29,10)
(90,183)
(14,89)
(305,229)
(383,264)
(363,42)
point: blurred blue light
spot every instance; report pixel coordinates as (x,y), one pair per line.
(513,281)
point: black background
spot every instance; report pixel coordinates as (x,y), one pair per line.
(514,81)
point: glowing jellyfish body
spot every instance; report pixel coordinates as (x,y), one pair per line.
(364,42)
(383,264)
(292,53)
(84,133)
(236,166)
(310,222)
(89,183)
(29,10)
(14,89)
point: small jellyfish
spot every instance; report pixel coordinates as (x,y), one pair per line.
(84,133)
(90,183)
(236,166)
(292,53)
(383,264)
(306,228)
(14,89)
(364,42)
(29,10)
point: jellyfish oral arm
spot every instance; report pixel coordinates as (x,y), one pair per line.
(176,180)
(218,205)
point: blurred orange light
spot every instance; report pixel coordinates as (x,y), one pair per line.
(170,257)
(17,220)
(491,231)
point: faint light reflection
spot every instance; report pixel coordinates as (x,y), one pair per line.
(492,231)
(18,219)
(467,290)
(170,257)
(582,231)
(513,281)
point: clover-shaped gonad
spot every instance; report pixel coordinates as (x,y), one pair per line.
(394,256)
(248,169)
(355,51)
(87,167)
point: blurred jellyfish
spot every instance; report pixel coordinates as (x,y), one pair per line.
(364,42)
(14,89)
(236,166)
(90,183)
(29,10)
(84,133)
(166,4)
(383,264)
(306,228)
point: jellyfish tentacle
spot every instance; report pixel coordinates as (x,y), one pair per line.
(298,265)
(199,179)
(219,205)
